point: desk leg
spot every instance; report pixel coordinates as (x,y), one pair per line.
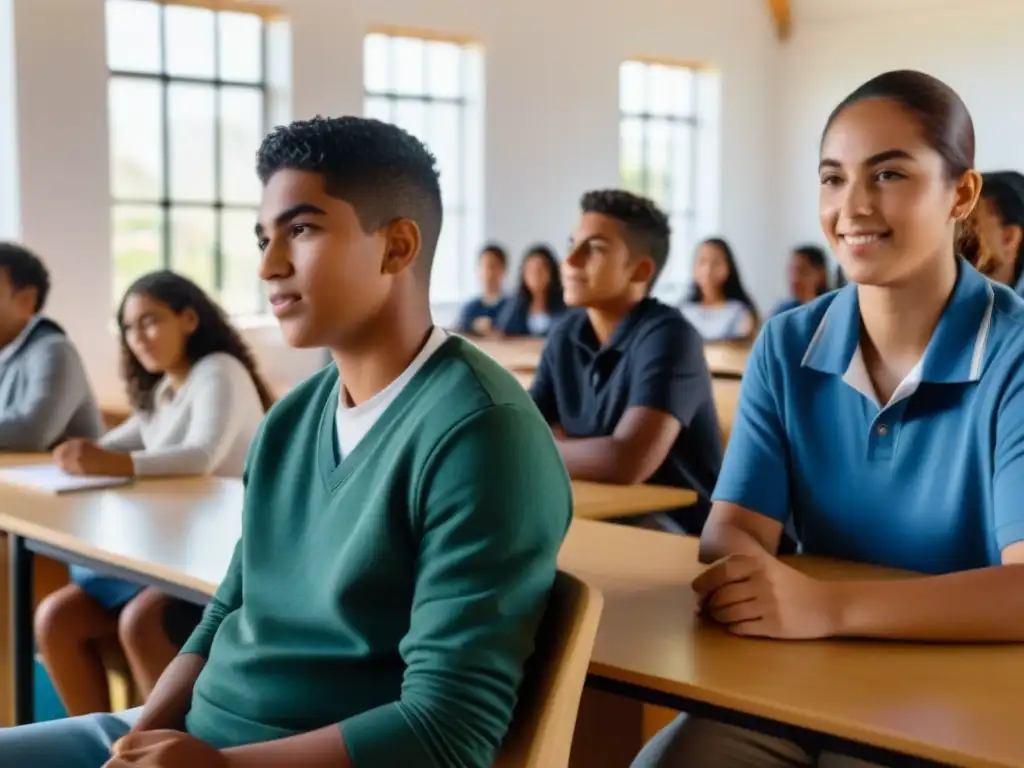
(22,639)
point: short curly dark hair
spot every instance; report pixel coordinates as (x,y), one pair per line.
(25,270)
(647,229)
(382,171)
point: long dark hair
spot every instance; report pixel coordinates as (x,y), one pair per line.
(555,298)
(816,258)
(946,125)
(1005,192)
(213,333)
(733,288)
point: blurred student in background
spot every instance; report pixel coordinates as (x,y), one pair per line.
(538,303)
(478,315)
(45,396)
(1001,220)
(197,400)
(718,305)
(808,277)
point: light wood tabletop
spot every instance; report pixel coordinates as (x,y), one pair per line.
(519,354)
(726,358)
(598,501)
(953,704)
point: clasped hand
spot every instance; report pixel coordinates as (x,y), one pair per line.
(760,596)
(164,749)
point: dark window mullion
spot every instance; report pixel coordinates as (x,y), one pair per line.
(165,97)
(218,149)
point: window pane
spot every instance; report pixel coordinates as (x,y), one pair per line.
(682,167)
(412,115)
(407,60)
(659,162)
(191,142)
(631,87)
(240,294)
(241,131)
(377,108)
(680,92)
(445,139)
(444,75)
(445,273)
(631,155)
(136,138)
(376,63)
(193,238)
(241,47)
(189,41)
(138,243)
(660,85)
(133,36)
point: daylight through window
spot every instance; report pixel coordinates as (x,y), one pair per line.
(187,108)
(430,88)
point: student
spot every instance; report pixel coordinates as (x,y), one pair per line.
(623,377)
(478,315)
(886,419)
(808,277)
(1001,220)
(197,401)
(539,302)
(393,566)
(45,395)
(718,305)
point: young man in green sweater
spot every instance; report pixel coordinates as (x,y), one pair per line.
(403,514)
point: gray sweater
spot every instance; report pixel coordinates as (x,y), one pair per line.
(45,396)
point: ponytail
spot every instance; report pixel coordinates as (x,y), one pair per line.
(970,244)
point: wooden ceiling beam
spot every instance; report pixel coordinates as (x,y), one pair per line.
(782,16)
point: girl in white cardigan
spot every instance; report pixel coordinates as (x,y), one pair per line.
(197,401)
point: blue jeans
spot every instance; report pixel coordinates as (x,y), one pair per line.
(77,742)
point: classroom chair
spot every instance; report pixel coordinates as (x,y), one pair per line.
(549,699)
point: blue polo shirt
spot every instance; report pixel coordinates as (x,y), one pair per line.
(655,359)
(933,481)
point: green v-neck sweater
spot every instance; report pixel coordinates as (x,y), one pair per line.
(396,593)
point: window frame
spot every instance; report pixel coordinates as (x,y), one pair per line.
(465,102)
(167,202)
(692,119)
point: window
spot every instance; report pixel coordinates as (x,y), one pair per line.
(668,152)
(187,104)
(430,87)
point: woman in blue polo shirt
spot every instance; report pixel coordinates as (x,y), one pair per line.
(884,420)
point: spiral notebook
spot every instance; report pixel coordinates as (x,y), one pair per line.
(49,478)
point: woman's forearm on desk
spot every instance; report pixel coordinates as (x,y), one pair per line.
(983,605)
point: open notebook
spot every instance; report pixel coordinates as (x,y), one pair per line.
(49,478)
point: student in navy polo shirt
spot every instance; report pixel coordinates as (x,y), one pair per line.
(622,377)
(885,419)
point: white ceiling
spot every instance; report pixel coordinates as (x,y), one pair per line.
(831,9)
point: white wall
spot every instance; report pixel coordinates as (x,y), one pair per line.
(551,123)
(975,47)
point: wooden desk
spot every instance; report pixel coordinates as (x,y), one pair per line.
(726,393)
(953,704)
(520,354)
(175,535)
(598,501)
(726,360)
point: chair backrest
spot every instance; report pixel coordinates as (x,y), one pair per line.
(549,698)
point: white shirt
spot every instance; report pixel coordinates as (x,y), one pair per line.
(203,428)
(353,422)
(719,323)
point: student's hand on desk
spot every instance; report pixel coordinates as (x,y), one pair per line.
(81,457)
(164,749)
(760,596)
